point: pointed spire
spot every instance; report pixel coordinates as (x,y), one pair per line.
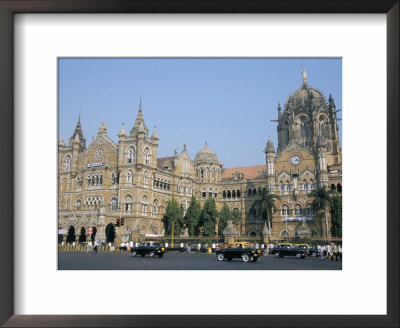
(304,75)
(270,146)
(184,147)
(122,133)
(78,130)
(331,102)
(279,110)
(139,125)
(155,135)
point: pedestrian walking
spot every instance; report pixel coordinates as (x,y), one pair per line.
(334,252)
(323,250)
(328,251)
(96,244)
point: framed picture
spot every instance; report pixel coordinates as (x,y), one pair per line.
(79,296)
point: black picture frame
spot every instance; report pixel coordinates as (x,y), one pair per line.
(10,7)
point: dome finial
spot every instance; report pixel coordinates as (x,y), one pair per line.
(206,144)
(304,75)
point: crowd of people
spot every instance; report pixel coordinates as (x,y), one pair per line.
(330,251)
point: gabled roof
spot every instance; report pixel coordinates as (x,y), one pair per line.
(161,161)
(250,172)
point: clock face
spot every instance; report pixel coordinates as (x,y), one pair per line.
(295,160)
(99,153)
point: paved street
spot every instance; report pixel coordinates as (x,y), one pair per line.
(185,261)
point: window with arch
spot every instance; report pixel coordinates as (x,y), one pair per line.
(145,201)
(250,192)
(129,176)
(178,187)
(305,185)
(210,192)
(130,155)
(297,210)
(238,193)
(67,163)
(312,185)
(333,187)
(228,194)
(216,193)
(224,194)
(204,193)
(233,193)
(146,156)
(114,203)
(128,203)
(155,207)
(323,129)
(78,203)
(185,167)
(213,173)
(339,187)
(207,173)
(201,173)
(146,178)
(285,210)
(288,186)
(302,122)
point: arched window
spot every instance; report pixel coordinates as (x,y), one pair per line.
(250,193)
(339,187)
(297,210)
(130,155)
(210,192)
(233,193)
(224,194)
(238,193)
(216,193)
(203,193)
(185,167)
(333,187)
(155,207)
(78,203)
(285,210)
(201,173)
(304,186)
(178,187)
(144,205)
(128,203)
(67,163)
(254,191)
(288,187)
(229,194)
(129,176)
(312,185)
(146,156)
(114,203)
(213,173)
(323,128)
(146,178)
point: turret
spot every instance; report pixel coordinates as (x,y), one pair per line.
(322,161)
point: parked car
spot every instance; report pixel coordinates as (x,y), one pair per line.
(239,250)
(310,251)
(149,248)
(288,251)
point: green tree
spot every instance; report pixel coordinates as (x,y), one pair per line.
(192,216)
(208,217)
(236,217)
(336,215)
(224,216)
(264,204)
(173,216)
(322,202)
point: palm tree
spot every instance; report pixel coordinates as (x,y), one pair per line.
(322,202)
(264,205)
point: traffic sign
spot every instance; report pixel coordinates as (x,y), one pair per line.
(90,229)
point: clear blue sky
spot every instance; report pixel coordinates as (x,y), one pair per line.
(227,102)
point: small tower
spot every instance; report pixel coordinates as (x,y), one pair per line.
(270,159)
(322,169)
(78,133)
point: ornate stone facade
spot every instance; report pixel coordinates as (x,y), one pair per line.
(107,181)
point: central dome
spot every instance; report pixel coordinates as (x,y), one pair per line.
(206,156)
(305,96)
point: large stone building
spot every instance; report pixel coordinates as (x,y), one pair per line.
(106,181)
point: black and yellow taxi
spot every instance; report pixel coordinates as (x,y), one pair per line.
(151,248)
(242,250)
